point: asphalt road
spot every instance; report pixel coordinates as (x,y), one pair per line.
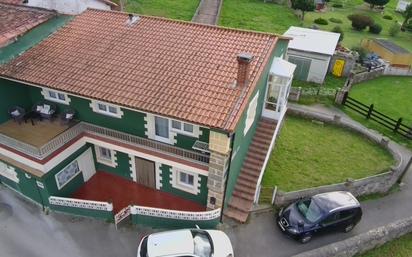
(26,231)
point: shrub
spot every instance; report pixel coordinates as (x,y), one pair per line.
(394,30)
(360,22)
(321,21)
(338,29)
(387,17)
(337,5)
(335,20)
(375,28)
(361,52)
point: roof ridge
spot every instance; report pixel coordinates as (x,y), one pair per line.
(196,23)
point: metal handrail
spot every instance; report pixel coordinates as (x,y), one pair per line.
(76,130)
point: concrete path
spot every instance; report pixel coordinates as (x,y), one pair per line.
(207,12)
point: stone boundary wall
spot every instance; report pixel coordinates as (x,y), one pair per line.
(367,75)
(380,183)
(363,242)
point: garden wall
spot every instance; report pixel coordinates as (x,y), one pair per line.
(375,184)
(363,242)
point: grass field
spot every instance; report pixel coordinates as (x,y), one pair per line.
(174,9)
(257,15)
(401,247)
(308,154)
(352,37)
(275,18)
(390,95)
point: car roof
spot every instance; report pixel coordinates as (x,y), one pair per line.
(333,201)
(170,243)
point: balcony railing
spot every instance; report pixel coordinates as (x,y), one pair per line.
(71,133)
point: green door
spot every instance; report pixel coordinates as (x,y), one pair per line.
(28,187)
(302,67)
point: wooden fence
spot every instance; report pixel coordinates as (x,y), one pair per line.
(370,113)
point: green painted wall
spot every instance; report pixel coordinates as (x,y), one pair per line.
(200,198)
(27,185)
(241,142)
(12,94)
(123,165)
(156,222)
(49,180)
(187,142)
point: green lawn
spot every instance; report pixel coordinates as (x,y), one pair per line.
(390,95)
(174,9)
(352,37)
(257,15)
(308,154)
(275,18)
(401,247)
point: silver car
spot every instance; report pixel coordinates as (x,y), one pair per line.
(186,243)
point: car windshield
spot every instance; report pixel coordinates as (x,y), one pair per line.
(203,244)
(309,209)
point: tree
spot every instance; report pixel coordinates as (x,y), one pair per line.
(338,29)
(360,22)
(373,3)
(407,14)
(303,6)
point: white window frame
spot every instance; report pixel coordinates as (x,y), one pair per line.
(102,159)
(176,183)
(8,172)
(251,113)
(181,130)
(95,107)
(47,95)
(68,181)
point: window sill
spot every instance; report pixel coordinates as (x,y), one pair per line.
(106,162)
(186,188)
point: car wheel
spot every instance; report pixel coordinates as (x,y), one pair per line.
(306,238)
(348,228)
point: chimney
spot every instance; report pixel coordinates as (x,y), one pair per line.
(244,60)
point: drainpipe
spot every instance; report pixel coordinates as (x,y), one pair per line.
(227,175)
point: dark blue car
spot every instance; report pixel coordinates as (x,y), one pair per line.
(334,211)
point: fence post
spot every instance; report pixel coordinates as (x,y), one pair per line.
(345,96)
(275,190)
(397,125)
(369,111)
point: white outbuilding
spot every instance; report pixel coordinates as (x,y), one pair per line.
(311,50)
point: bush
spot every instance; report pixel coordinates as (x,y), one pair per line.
(361,52)
(321,21)
(338,29)
(375,28)
(335,20)
(360,22)
(337,5)
(394,30)
(387,17)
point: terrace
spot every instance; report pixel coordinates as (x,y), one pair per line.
(40,139)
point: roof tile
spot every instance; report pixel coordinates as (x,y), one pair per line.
(173,68)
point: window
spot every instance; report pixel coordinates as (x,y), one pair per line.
(187,128)
(105,156)
(55,96)
(162,129)
(176,125)
(185,181)
(8,172)
(67,174)
(251,113)
(106,109)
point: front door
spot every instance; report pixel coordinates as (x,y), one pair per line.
(145,172)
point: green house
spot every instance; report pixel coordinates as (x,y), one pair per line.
(114,115)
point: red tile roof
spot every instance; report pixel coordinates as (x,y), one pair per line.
(172,68)
(16,20)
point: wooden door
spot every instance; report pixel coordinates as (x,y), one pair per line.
(145,172)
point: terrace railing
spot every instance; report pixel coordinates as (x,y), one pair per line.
(76,130)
